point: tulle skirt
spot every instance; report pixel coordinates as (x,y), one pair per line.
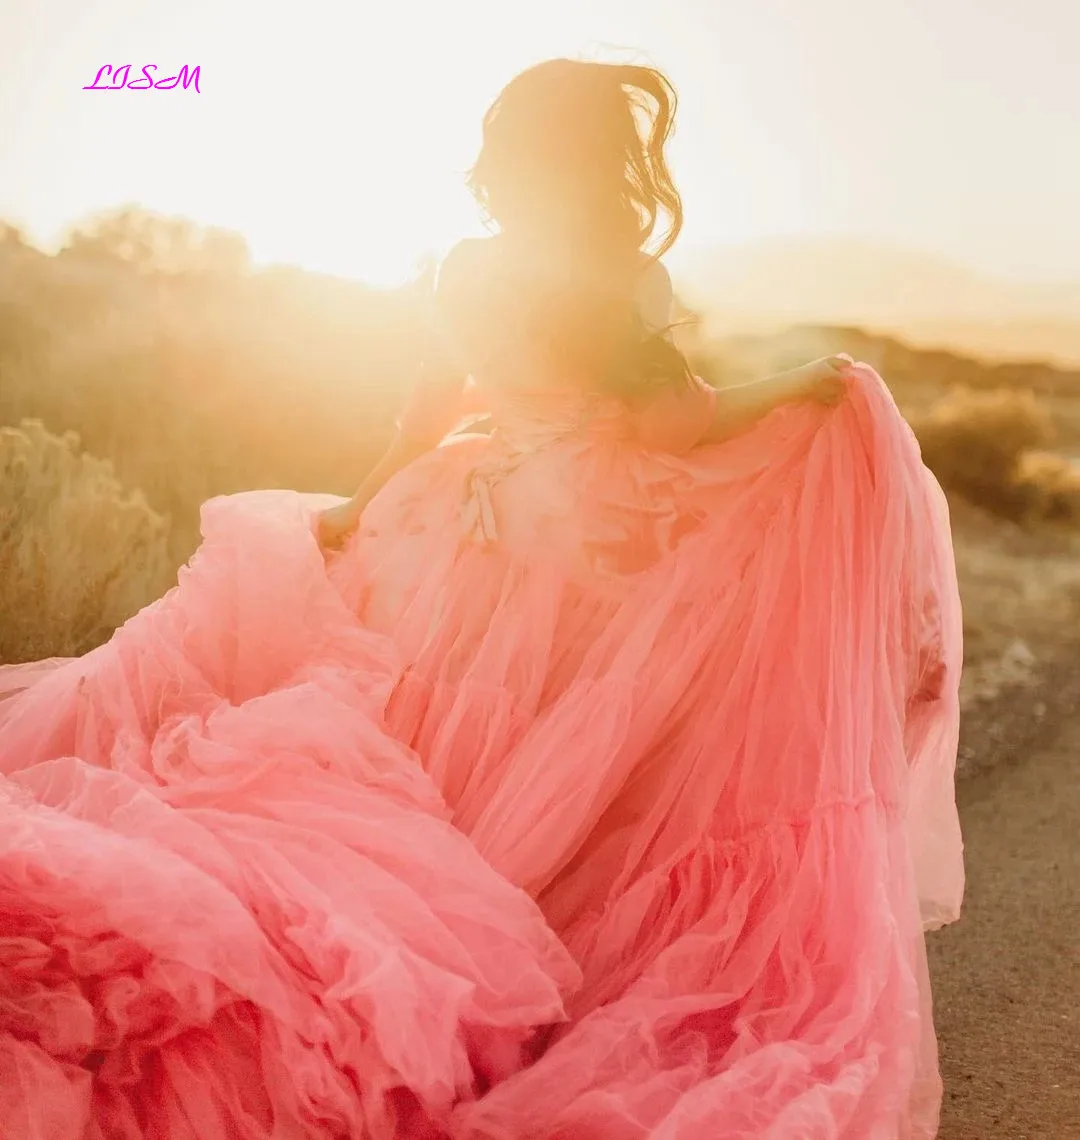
(590,793)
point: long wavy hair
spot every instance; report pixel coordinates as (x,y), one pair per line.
(573,163)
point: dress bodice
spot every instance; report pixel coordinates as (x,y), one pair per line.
(527,420)
(530,400)
(674,420)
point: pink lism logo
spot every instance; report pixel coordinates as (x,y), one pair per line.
(121,75)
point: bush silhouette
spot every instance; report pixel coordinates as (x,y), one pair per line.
(78,553)
(990,447)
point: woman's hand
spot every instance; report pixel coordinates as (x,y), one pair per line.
(335,525)
(822,380)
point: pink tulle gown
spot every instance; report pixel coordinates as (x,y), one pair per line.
(601,789)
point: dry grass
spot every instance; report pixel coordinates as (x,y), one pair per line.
(1049,486)
(78,553)
(990,447)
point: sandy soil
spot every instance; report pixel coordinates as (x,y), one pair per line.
(1007,975)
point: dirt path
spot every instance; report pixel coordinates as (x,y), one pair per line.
(1007,975)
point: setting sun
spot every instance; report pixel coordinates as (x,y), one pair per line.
(338,140)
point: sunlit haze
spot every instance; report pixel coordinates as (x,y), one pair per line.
(335,135)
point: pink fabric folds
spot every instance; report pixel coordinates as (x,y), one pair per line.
(619,816)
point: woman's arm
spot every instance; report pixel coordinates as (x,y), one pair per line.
(684,416)
(336,524)
(437,405)
(674,421)
(739,407)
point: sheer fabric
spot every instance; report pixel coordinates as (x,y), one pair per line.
(599,789)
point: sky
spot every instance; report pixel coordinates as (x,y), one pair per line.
(335,135)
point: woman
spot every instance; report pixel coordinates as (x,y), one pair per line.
(590,779)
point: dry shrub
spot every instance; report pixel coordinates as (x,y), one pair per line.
(975,443)
(78,553)
(1049,487)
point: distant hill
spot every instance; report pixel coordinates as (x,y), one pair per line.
(917,377)
(848,281)
(1054,341)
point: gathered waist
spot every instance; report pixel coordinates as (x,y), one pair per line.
(513,443)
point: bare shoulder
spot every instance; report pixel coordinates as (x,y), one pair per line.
(655,279)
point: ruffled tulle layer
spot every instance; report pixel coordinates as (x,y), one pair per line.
(590,793)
